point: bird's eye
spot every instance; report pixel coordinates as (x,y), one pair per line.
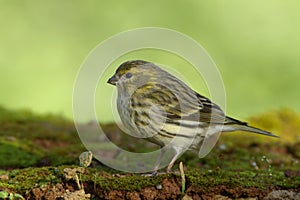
(128,75)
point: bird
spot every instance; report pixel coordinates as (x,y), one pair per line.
(156,106)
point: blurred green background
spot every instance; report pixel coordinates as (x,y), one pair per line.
(255,44)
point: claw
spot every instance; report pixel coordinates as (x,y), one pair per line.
(154,173)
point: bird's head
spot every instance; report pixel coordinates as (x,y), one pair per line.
(132,74)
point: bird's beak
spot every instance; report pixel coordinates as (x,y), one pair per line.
(113,80)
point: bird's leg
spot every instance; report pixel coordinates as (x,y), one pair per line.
(177,154)
(158,161)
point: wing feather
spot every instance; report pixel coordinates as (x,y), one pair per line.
(182,105)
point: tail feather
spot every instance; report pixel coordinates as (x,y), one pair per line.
(253,130)
(234,125)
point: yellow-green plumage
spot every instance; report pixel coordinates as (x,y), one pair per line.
(157,106)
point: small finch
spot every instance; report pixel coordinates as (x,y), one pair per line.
(156,106)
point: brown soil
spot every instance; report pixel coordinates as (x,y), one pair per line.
(169,189)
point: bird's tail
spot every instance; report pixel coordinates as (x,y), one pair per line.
(232,124)
(253,130)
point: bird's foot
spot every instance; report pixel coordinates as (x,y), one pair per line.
(173,172)
(155,173)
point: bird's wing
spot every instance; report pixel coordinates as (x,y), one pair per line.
(181,104)
(211,113)
(167,109)
(184,114)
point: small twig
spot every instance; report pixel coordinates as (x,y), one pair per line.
(182,178)
(77,182)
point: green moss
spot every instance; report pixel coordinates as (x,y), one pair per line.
(245,159)
(5,185)
(25,124)
(18,153)
(23,180)
(12,156)
(27,139)
(259,179)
